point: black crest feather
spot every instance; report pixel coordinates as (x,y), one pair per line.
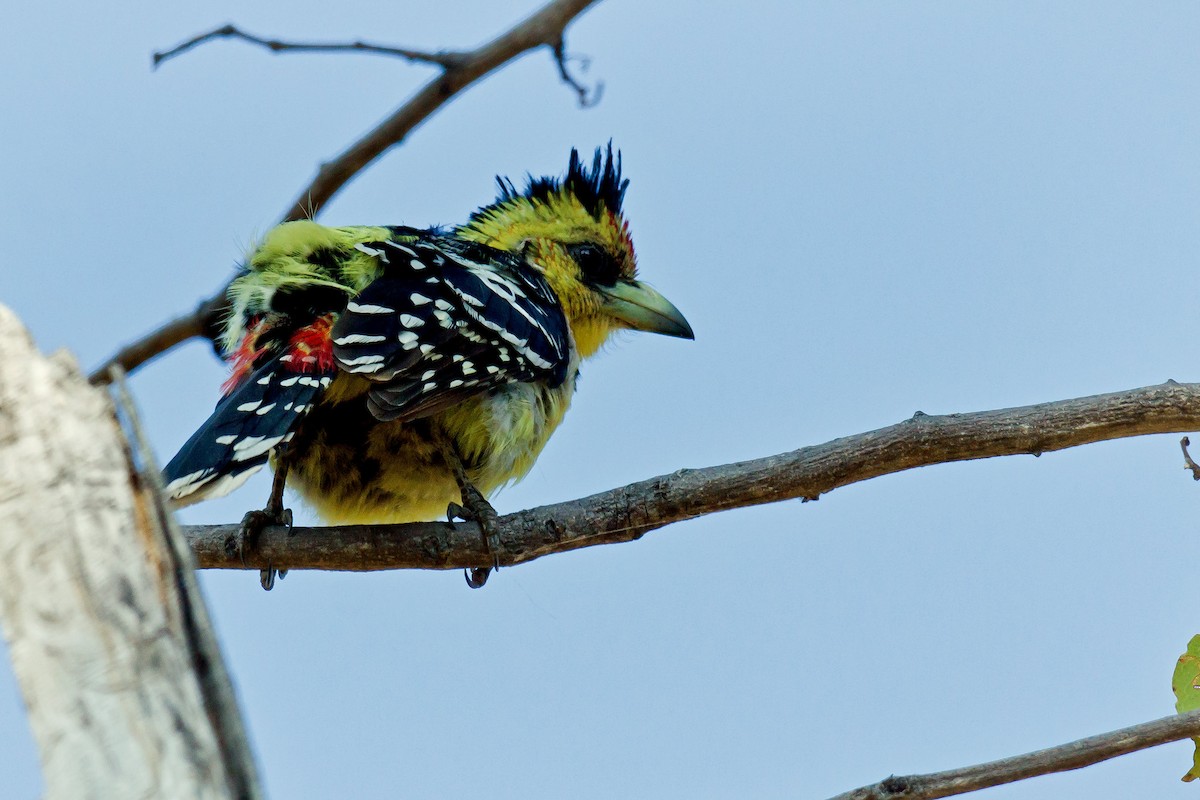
(600,187)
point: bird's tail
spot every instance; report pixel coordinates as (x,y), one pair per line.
(260,413)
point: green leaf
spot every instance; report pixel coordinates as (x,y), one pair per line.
(1186,685)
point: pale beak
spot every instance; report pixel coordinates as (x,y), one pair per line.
(643,309)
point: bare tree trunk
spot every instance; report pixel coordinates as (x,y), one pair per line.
(110,641)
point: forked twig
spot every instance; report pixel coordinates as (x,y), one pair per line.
(544,28)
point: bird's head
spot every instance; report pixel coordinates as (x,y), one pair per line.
(574,231)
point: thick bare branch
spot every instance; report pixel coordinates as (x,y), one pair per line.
(444,59)
(625,514)
(127,693)
(1077,754)
(460,70)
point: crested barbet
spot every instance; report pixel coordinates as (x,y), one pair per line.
(367,363)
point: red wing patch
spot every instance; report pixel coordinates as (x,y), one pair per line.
(241,361)
(308,349)
(311,348)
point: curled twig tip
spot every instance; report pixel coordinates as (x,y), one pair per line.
(1188,463)
(587,97)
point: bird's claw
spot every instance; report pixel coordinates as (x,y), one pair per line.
(486,518)
(477,577)
(251,528)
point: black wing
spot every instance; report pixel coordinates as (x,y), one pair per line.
(447,320)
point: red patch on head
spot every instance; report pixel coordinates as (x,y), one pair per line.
(622,228)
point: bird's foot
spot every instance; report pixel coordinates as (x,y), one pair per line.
(474,507)
(480,511)
(253,524)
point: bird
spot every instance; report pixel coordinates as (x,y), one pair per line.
(398,374)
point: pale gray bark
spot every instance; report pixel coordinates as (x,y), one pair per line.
(126,692)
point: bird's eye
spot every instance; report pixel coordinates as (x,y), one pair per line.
(596,264)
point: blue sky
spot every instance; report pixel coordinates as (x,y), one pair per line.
(864,209)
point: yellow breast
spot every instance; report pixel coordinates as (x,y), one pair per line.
(353,469)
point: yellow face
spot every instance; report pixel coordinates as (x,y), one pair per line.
(581,255)
(574,232)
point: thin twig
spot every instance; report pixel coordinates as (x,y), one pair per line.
(627,513)
(544,28)
(1081,753)
(444,59)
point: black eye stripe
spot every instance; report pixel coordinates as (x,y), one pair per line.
(596,263)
